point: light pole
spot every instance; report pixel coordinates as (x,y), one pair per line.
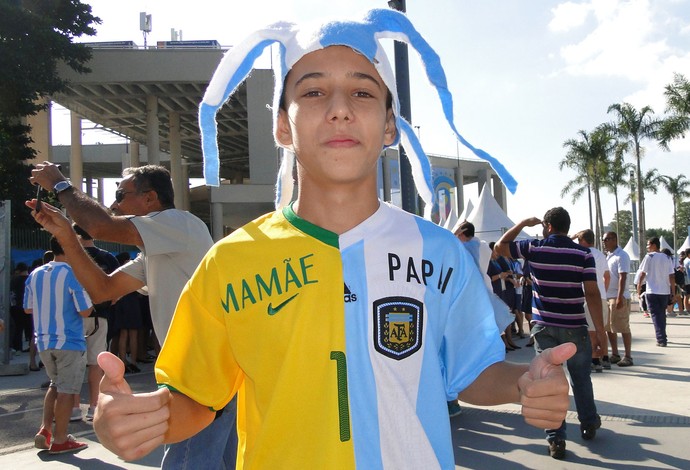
(408,193)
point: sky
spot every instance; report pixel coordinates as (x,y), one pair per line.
(525,76)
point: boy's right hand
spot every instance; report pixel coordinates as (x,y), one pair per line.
(129,425)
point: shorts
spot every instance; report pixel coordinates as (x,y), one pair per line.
(686,289)
(97,342)
(65,369)
(604,313)
(619,319)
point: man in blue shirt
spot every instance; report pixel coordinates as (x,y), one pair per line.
(560,269)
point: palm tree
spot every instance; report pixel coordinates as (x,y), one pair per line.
(632,126)
(588,155)
(616,176)
(679,189)
(678,106)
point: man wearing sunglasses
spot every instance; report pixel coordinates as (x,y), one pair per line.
(172,242)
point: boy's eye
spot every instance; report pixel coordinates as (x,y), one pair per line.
(363,94)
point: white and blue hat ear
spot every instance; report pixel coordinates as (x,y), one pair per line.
(394,25)
(233,69)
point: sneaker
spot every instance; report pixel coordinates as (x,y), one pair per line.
(90,412)
(606,365)
(42,439)
(70,445)
(557,449)
(588,431)
(615,358)
(671,314)
(454,409)
(661,344)
(598,368)
(625,362)
(645,314)
(76,414)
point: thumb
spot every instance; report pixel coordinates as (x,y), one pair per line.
(556,356)
(113,380)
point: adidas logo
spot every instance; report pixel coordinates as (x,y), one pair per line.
(349,296)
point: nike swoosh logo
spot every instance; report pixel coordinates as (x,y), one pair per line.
(273,310)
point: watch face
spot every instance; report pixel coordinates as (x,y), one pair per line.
(61,186)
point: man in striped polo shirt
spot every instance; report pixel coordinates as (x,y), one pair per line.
(560,270)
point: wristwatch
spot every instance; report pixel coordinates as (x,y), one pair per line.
(61,186)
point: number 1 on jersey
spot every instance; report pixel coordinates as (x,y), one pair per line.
(343,406)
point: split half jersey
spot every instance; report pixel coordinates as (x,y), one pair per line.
(343,349)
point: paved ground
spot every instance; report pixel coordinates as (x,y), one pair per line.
(645,413)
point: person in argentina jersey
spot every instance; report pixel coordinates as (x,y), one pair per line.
(342,323)
(564,276)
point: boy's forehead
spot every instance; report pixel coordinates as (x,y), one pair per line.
(325,59)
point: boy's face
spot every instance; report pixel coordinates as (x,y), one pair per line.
(335,117)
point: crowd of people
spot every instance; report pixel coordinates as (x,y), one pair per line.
(338,320)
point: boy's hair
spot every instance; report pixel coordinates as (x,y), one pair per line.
(362,36)
(81,232)
(153,178)
(55,247)
(466,228)
(586,235)
(558,218)
(655,241)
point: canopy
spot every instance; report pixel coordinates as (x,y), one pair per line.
(632,249)
(490,222)
(664,244)
(685,245)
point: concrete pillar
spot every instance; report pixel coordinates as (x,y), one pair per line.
(459,189)
(386,169)
(131,159)
(41,135)
(500,193)
(176,158)
(76,159)
(88,185)
(185,188)
(152,132)
(101,190)
(483,177)
(263,158)
(216,220)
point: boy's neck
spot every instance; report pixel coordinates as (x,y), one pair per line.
(335,211)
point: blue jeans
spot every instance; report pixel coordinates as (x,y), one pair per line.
(579,367)
(214,447)
(657,304)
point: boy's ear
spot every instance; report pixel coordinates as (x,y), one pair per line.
(390,131)
(283,131)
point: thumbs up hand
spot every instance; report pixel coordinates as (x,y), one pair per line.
(129,425)
(544,388)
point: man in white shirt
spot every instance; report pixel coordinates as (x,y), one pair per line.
(586,238)
(657,269)
(619,300)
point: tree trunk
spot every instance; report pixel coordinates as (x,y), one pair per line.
(640,203)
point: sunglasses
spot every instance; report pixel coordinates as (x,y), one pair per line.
(121,193)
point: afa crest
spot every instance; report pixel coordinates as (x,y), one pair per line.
(398,325)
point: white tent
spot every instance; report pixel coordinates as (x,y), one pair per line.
(685,245)
(490,222)
(664,244)
(632,249)
(462,218)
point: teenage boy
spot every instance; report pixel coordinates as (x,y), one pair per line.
(351,324)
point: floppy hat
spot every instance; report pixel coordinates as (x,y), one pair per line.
(364,37)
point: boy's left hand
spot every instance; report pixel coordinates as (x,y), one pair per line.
(544,388)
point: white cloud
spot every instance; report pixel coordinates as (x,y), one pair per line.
(568,16)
